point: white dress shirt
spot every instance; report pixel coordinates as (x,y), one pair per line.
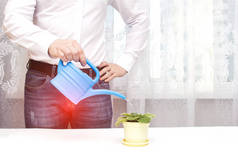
(35,24)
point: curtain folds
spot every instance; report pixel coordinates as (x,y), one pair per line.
(188,73)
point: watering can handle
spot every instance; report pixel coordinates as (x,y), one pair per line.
(95,70)
(61,65)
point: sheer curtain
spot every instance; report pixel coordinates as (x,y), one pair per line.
(12,74)
(188,74)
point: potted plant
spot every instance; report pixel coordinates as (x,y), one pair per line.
(135,128)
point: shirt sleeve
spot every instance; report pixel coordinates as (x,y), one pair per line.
(135,14)
(18,26)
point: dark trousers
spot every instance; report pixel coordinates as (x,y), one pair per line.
(46,107)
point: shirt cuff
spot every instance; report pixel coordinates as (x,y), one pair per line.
(126,61)
(44,44)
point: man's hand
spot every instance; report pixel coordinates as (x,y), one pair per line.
(67,50)
(110,71)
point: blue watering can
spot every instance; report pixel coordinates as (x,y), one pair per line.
(77,85)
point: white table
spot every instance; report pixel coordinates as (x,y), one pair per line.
(163,141)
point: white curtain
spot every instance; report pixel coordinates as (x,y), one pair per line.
(12,76)
(188,74)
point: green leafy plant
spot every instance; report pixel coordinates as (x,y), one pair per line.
(134,117)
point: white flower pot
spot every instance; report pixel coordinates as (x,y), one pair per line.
(135,132)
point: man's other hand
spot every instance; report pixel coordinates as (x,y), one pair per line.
(110,71)
(67,50)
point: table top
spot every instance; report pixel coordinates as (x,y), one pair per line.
(163,141)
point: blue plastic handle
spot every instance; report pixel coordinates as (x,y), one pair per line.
(60,66)
(95,70)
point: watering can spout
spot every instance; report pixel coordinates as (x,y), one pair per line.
(93,92)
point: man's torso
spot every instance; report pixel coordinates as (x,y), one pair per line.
(81,20)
